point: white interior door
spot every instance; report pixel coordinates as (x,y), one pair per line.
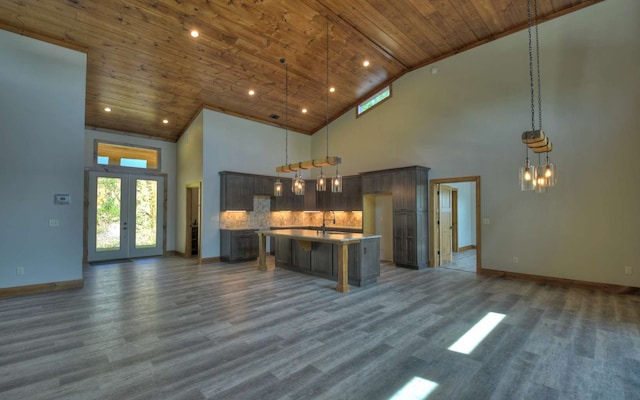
(125,216)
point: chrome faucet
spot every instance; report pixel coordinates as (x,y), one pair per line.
(324,219)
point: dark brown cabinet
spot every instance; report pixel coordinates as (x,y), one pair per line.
(322,259)
(238,245)
(284,202)
(409,189)
(350,199)
(263,185)
(378,182)
(310,196)
(283,251)
(236,191)
(300,256)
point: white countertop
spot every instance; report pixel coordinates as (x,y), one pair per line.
(317,236)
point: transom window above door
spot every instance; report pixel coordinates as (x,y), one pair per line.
(127,156)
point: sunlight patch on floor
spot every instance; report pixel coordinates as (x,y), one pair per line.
(477,333)
(416,389)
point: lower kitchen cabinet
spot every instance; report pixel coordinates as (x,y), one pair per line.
(238,245)
(321,259)
(410,239)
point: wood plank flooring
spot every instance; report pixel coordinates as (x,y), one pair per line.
(171,329)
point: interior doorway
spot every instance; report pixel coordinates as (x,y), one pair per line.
(454,223)
(125,215)
(192,245)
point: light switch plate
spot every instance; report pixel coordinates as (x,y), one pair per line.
(54,223)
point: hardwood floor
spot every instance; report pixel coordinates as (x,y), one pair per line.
(463,261)
(171,329)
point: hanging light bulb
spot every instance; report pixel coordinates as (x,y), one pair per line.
(540,182)
(527,176)
(549,173)
(336,182)
(277,188)
(321,182)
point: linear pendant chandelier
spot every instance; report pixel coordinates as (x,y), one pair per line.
(542,176)
(298,184)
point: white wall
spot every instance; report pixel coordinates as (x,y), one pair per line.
(466,213)
(467,120)
(241,145)
(189,160)
(167,161)
(42,100)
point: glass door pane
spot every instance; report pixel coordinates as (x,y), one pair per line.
(107,234)
(146,213)
(108,214)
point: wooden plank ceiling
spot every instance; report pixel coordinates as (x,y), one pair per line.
(144,64)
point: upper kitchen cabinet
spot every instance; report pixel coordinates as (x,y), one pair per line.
(377,182)
(410,189)
(289,201)
(350,199)
(263,185)
(310,196)
(236,191)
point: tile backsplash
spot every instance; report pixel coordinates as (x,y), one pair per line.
(262,218)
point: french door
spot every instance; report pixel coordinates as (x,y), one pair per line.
(125,216)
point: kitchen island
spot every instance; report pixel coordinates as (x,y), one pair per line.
(349,258)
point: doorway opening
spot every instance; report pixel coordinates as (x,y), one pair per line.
(377,219)
(192,244)
(454,224)
(125,215)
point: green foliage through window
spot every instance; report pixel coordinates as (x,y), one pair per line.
(374,100)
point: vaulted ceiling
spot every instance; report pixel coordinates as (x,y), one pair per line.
(144,64)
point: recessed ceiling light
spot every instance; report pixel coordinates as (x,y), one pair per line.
(107,109)
(251,92)
(332,89)
(165,121)
(366,63)
(304,110)
(195,33)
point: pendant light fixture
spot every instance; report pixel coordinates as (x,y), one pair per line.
(277,186)
(544,175)
(336,181)
(298,184)
(321,182)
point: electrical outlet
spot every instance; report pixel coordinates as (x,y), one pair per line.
(628,271)
(20,271)
(54,223)
(515,260)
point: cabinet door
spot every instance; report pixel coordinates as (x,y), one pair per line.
(322,259)
(399,237)
(250,245)
(405,238)
(310,196)
(324,200)
(369,184)
(404,189)
(263,185)
(300,257)
(377,183)
(236,192)
(283,251)
(353,192)
(284,202)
